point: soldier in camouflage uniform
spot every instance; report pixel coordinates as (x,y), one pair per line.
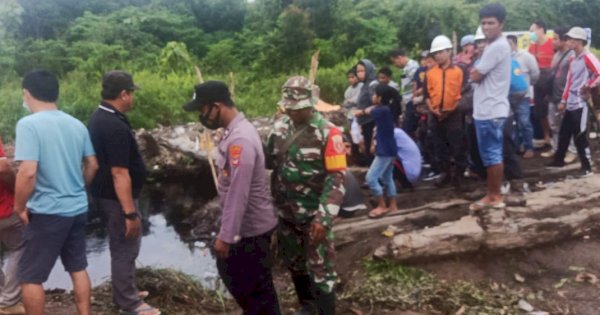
(308,156)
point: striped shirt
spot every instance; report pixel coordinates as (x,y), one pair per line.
(584,71)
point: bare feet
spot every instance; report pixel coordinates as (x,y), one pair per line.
(528,154)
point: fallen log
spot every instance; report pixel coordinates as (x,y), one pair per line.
(352,230)
(568,209)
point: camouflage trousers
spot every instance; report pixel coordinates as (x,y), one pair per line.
(301,257)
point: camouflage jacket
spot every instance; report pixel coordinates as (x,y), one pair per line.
(308,179)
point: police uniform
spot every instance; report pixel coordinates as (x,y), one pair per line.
(309,162)
(248,219)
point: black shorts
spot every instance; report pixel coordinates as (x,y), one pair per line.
(46,238)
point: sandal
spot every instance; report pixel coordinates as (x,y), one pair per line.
(143,294)
(143,309)
(481,205)
(378,214)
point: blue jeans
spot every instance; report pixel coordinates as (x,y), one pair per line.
(523,134)
(382,168)
(490,140)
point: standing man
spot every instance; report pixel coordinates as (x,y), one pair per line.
(490,101)
(308,158)
(243,245)
(400,59)
(11,236)
(543,50)
(522,110)
(560,68)
(118,185)
(57,161)
(584,75)
(444,84)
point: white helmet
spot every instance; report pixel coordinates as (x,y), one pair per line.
(479,34)
(440,43)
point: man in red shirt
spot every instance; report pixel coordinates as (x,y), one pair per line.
(543,49)
(11,237)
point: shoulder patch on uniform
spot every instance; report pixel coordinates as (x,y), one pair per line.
(338,144)
(335,151)
(235,153)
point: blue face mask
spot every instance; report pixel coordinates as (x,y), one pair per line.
(533,37)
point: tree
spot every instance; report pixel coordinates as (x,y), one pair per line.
(291,42)
(10,20)
(50,18)
(175,57)
(218,15)
(322,15)
(420,21)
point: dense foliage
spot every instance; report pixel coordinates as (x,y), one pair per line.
(260,41)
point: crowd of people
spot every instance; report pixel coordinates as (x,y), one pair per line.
(473,114)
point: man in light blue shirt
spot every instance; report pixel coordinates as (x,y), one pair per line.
(57,161)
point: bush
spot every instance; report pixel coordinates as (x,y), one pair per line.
(11,109)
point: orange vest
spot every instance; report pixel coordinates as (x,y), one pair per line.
(443,87)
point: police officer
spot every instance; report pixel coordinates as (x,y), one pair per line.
(308,158)
(248,219)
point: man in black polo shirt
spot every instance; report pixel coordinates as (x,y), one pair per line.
(117,186)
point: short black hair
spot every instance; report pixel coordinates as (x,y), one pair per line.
(512,38)
(351,71)
(385,92)
(42,85)
(397,53)
(561,32)
(386,71)
(495,10)
(541,24)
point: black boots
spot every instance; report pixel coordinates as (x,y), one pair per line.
(305,296)
(312,302)
(326,303)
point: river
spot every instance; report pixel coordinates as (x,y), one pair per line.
(162,247)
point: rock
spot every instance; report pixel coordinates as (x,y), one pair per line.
(519,278)
(523,305)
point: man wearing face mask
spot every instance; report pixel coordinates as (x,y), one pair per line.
(243,245)
(117,187)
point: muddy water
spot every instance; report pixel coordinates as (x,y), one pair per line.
(164,244)
(161,248)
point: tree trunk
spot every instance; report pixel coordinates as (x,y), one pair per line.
(568,209)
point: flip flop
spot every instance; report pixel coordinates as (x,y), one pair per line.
(480,205)
(378,216)
(143,294)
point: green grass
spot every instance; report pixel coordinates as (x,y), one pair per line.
(394,286)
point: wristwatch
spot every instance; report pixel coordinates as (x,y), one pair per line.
(131,216)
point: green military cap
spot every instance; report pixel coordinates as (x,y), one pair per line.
(298,93)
